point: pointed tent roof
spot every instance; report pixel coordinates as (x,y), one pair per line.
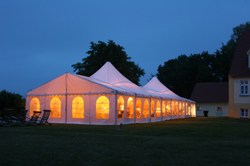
(155,85)
(109,74)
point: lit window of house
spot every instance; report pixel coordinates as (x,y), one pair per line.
(244,113)
(244,87)
(219,108)
(198,109)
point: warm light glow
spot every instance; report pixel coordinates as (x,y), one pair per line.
(158,109)
(168,108)
(138,108)
(120,107)
(78,108)
(163,108)
(173,107)
(55,107)
(130,108)
(34,105)
(152,108)
(102,108)
(146,109)
(183,108)
(176,108)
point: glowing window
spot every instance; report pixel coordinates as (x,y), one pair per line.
(78,108)
(152,108)
(138,108)
(183,108)
(55,107)
(188,109)
(34,105)
(176,108)
(130,108)
(168,108)
(120,107)
(173,107)
(158,109)
(102,108)
(180,109)
(163,108)
(146,109)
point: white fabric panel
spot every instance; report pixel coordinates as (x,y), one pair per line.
(79,84)
(93,120)
(56,86)
(63,107)
(70,119)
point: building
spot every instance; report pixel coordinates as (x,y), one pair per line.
(239,78)
(211,97)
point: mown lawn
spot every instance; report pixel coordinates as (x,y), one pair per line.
(192,141)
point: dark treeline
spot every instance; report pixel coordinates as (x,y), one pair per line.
(182,73)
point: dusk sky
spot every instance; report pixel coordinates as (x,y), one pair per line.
(41,39)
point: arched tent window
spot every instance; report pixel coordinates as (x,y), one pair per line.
(183,108)
(102,108)
(173,107)
(180,108)
(120,107)
(163,108)
(168,108)
(188,109)
(152,108)
(158,109)
(146,109)
(138,108)
(55,107)
(78,108)
(130,108)
(176,108)
(34,105)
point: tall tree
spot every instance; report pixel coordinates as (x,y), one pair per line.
(100,53)
(11,100)
(182,73)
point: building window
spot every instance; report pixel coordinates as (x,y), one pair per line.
(102,108)
(219,108)
(77,108)
(244,113)
(130,108)
(244,87)
(34,105)
(158,109)
(120,107)
(168,108)
(55,107)
(152,108)
(146,109)
(163,107)
(138,108)
(198,108)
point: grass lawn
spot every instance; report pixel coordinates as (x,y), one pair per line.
(191,141)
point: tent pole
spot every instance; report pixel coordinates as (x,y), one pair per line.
(161,109)
(135,109)
(115,107)
(66,114)
(149,108)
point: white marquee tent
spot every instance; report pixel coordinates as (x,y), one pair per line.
(107,97)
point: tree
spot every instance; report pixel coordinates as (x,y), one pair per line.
(100,53)
(181,74)
(11,100)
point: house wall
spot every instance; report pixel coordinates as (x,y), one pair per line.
(213,109)
(237,97)
(237,101)
(231,97)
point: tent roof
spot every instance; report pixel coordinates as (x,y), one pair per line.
(107,77)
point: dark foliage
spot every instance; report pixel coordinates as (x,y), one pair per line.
(11,100)
(100,53)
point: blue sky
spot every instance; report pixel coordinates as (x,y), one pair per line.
(41,39)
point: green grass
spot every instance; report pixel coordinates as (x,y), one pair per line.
(192,141)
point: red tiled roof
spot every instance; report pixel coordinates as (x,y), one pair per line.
(210,92)
(239,67)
